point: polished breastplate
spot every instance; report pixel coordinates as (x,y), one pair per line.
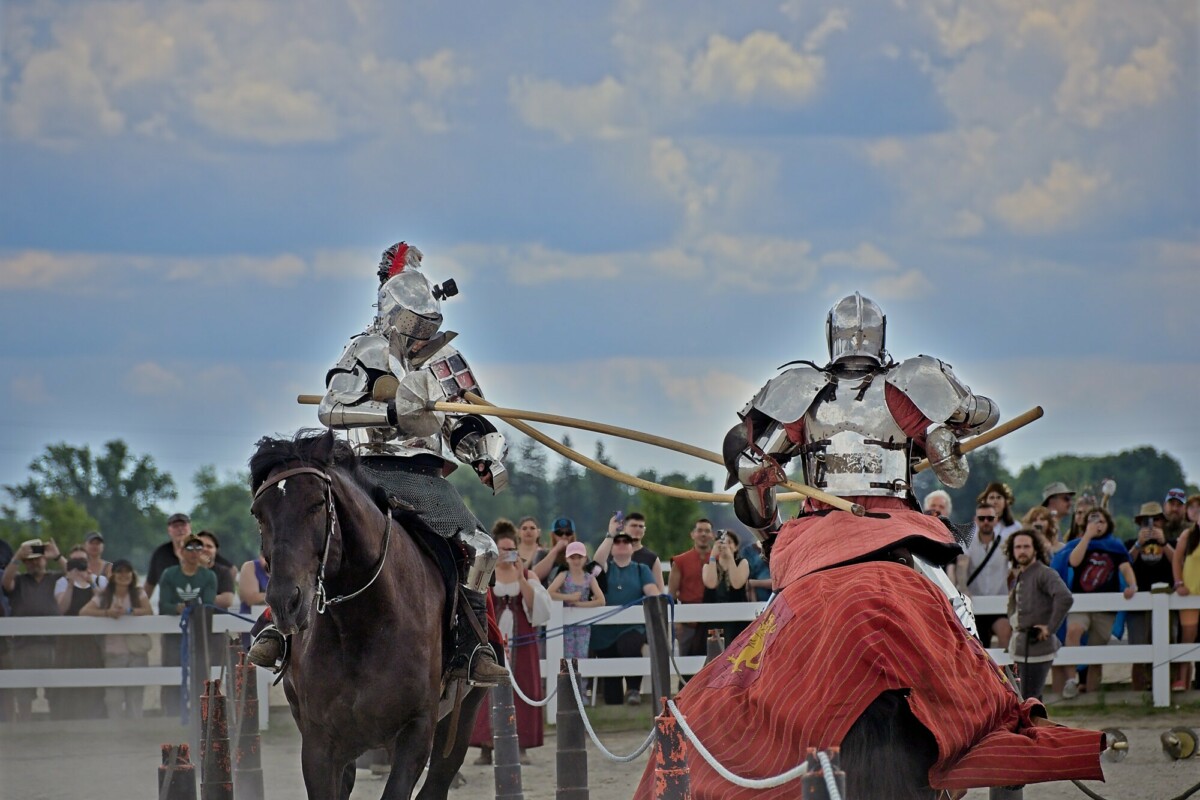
(853,446)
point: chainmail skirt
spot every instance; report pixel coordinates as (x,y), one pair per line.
(433,497)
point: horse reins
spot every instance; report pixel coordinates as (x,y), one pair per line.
(331,525)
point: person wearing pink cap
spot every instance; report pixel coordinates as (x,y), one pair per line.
(577,588)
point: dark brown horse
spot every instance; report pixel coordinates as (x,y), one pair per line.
(364,607)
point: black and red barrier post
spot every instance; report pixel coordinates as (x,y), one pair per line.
(506,749)
(176,776)
(813,785)
(715,644)
(672,780)
(571,753)
(247,749)
(216,777)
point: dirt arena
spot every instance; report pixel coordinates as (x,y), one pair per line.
(99,760)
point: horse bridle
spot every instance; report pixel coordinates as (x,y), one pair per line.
(331,526)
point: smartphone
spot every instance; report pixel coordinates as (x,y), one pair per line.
(620,517)
(512,556)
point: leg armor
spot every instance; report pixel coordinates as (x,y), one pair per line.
(483,562)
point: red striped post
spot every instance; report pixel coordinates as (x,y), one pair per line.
(216,778)
(247,752)
(571,751)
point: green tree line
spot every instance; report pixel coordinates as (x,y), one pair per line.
(70,490)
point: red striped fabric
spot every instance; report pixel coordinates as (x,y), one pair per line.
(831,643)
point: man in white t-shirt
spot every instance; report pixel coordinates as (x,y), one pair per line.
(983,570)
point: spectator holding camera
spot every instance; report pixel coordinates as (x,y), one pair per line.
(1039,520)
(31,594)
(1037,605)
(120,599)
(1151,556)
(627,581)
(725,575)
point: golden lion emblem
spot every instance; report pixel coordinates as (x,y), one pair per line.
(750,656)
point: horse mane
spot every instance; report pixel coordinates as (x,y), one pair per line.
(308,446)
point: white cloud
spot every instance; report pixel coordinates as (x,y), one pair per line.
(761,68)
(270,113)
(42,269)
(1092,92)
(39,269)
(836,19)
(866,256)
(150,378)
(1057,201)
(596,111)
(905,286)
(252,71)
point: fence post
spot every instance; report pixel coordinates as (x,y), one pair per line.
(1160,639)
(571,752)
(506,749)
(658,637)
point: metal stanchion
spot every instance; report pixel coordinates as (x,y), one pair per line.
(176,776)
(571,753)
(658,637)
(506,749)
(216,775)
(247,753)
(672,780)
(715,644)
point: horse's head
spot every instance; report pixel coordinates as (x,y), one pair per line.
(294,483)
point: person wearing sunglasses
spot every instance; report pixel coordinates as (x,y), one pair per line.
(983,570)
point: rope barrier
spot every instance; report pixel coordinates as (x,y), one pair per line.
(517,689)
(587,724)
(827,771)
(737,780)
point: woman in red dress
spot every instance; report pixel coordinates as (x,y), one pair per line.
(522,606)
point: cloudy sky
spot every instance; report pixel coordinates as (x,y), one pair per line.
(648,207)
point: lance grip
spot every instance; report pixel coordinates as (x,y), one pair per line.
(1003,429)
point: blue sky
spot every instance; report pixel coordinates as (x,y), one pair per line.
(648,208)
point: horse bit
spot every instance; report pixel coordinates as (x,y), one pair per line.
(331,524)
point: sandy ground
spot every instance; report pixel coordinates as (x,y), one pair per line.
(99,760)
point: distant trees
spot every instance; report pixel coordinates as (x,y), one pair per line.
(70,491)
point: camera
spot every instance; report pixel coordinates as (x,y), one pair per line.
(38,549)
(721,537)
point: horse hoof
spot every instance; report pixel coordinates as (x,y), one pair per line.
(458,781)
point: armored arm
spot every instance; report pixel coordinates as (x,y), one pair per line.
(476,441)
(754,451)
(955,411)
(359,387)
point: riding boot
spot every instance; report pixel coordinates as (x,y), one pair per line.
(473,655)
(268,649)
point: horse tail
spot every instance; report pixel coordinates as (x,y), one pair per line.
(888,752)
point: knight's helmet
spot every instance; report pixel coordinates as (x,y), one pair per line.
(856,328)
(409,308)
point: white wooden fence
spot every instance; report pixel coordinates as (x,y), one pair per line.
(117,676)
(1159,653)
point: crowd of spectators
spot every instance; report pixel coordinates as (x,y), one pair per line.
(1074,537)
(42,580)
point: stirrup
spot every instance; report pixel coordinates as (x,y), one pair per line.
(471,668)
(273,650)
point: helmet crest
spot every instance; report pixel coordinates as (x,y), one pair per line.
(396,259)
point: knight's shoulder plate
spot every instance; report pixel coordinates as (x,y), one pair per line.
(930,384)
(368,349)
(786,397)
(453,372)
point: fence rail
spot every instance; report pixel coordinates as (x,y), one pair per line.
(1160,653)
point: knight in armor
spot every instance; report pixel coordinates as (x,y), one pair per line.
(381,391)
(858,425)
